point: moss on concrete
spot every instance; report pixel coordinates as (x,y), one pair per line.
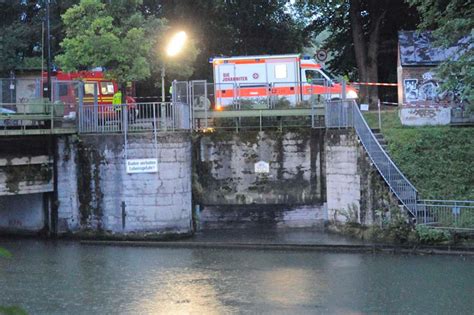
(88,161)
(30,173)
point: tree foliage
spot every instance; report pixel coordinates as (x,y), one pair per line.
(117,36)
(19,37)
(452,22)
(363,35)
(233,27)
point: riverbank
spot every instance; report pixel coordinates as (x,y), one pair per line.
(302,239)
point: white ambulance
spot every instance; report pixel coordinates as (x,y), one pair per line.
(273,77)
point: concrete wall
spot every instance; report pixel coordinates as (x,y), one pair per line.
(422,116)
(230,192)
(355,190)
(342,175)
(93,184)
(316,176)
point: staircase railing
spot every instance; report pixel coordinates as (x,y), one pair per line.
(402,188)
(398,183)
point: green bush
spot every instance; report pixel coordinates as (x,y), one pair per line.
(427,235)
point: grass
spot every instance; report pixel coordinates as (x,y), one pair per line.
(439,160)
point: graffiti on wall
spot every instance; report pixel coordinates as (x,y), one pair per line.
(410,89)
(428,89)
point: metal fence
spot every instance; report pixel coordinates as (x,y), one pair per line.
(339,114)
(24,109)
(446,213)
(239,106)
(134,118)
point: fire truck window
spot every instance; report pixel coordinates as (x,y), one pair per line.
(280,71)
(89,88)
(106,88)
(62,89)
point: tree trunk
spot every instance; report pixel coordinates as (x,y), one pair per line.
(373,53)
(360,48)
(366,51)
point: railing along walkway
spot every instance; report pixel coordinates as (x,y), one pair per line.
(134,118)
(458,214)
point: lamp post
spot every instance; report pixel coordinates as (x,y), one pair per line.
(174,47)
(48,51)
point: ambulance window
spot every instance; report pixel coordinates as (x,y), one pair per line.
(106,88)
(314,75)
(89,88)
(280,71)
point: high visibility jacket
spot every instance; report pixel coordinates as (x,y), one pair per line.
(117,100)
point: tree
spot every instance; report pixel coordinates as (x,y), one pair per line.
(19,38)
(452,23)
(361,31)
(117,36)
(233,27)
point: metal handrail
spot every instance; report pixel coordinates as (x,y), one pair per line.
(396,180)
(133,117)
(446,201)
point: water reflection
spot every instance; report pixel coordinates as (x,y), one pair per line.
(181,293)
(290,286)
(67,278)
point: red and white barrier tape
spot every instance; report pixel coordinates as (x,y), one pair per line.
(374,83)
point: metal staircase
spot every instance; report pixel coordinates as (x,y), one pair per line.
(452,214)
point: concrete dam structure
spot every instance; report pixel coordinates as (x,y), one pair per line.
(66,184)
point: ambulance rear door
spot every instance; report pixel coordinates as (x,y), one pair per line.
(251,80)
(225,88)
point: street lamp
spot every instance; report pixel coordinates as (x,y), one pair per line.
(174,47)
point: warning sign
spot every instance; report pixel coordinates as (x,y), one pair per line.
(142,166)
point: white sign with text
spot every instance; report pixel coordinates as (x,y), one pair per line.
(262,167)
(142,166)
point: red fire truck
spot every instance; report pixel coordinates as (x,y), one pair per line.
(97,90)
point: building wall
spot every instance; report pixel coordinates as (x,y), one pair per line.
(94,188)
(424,103)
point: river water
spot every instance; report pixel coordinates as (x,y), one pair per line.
(69,278)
